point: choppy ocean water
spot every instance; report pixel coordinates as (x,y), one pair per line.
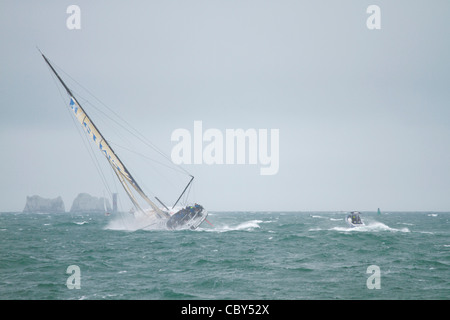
(245,255)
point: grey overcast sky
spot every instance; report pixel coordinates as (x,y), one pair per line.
(363,115)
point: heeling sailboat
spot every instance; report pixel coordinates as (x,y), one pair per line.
(188,217)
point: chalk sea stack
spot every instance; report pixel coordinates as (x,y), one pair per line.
(37,204)
(86,203)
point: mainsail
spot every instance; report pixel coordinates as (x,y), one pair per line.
(119,168)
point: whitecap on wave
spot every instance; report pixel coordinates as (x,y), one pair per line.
(81,223)
(131,223)
(369,227)
(245,226)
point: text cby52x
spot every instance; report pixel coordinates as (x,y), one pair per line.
(247,309)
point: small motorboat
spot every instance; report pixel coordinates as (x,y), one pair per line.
(354,219)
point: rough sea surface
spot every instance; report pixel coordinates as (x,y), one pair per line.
(245,255)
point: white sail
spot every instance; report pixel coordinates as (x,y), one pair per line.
(189,217)
(119,168)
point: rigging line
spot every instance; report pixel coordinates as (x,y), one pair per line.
(104,139)
(186,197)
(126,140)
(85,143)
(128,191)
(90,152)
(137,134)
(100,171)
(142,138)
(128,176)
(144,156)
(111,170)
(190,181)
(193,191)
(101,118)
(99,110)
(165,178)
(120,211)
(88,145)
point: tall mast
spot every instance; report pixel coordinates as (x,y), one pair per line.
(119,168)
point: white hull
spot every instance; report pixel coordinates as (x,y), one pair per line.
(353,224)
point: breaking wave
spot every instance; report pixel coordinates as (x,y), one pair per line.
(244,226)
(369,227)
(131,223)
(81,223)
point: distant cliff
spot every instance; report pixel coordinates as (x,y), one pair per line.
(87,203)
(37,204)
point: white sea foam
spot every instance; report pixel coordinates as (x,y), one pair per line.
(371,227)
(249,225)
(318,217)
(426,232)
(368,227)
(127,222)
(244,226)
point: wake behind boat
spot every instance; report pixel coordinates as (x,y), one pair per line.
(189,217)
(354,219)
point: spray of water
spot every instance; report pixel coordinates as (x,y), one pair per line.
(129,222)
(243,226)
(373,226)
